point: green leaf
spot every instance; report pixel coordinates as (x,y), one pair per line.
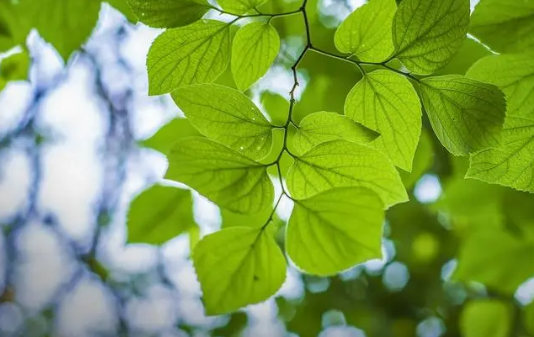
(239,6)
(164,138)
(238,266)
(226,116)
(254,50)
(341,163)
(66,24)
(367,32)
(505,26)
(160,214)
(427,33)
(169,13)
(14,68)
(486,318)
(221,174)
(512,164)
(321,127)
(514,75)
(497,259)
(335,230)
(197,53)
(466,115)
(387,103)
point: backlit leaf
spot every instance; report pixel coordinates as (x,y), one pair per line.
(514,75)
(226,116)
(159,214)
(466,115)
(238,266)
(169,13)
(239,6)
(341,163)
(486,318)
(505,26)
(427,33)
(254,49)
(197,53)
(321,127)
(335,230)
(14,68)
(511,164)
(221,174)
(387,103)
(366,32)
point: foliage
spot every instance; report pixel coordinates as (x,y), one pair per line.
(348,164)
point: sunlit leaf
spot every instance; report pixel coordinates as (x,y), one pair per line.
(221,174)
(422,162)
(366,32)
(169,13)
(514,75)
(159,214)
(387,103)
(321,127)
(341,163)
(427,33)
(466,115)
(238,266)
(505,26)
(226,116)
(335,230)
(486,318)
(254,49)
(239,6)
(193,54)
(511,164)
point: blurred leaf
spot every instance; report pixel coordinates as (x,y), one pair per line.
(169,13)
(248,265)
(496,259)
(473,205)
(387,103)
(276,106)
(254,49)
(321,127)
(164,138)
(193,54)
(66,24)
(221,174)
(486,318)
(466,115)
(14,68)
(159,214)
(505,26)
(234,328)
(335,230)
(226,116)
(422,162)
(366,32)
(529,318)
(470,52)
(341,164)
(123,7)
(427,33)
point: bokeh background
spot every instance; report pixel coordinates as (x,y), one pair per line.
(77,144)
